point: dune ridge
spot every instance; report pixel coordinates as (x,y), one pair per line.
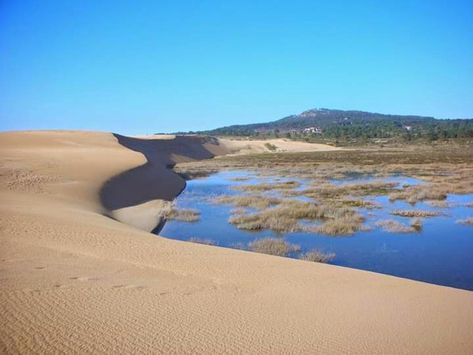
(77,281)
(138,196)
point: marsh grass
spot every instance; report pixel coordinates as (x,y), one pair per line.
(330,191)
(344,225)
(317,256)
(183,215)
(359,203)
(262,221)
(202,241)
(442,162)
(273,246)
(393,226)
(360,189)
(439,204)
(415,213)
(242,178)
(308,210)
(442,170)
(287,185)
(195,173)
(414,194)
(447,165)
(416,223)
(286,216)
(253,201)
(468,221)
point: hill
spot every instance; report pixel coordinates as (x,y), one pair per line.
(345,125)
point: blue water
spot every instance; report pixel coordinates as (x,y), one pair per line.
(442,253)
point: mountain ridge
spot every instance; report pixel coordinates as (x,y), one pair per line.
(334,123)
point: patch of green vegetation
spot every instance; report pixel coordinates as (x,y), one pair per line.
(354,127)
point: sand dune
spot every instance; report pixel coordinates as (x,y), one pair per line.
(77,281)
(244,146)
(132,195)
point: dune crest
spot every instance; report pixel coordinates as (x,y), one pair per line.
(123,194)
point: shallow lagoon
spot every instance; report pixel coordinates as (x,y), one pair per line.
(441,253)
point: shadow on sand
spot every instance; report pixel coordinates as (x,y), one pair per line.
(155,180)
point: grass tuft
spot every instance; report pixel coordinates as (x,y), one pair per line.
(416,223)
(273,246)
(254,201)
(183,215)
(201,241)
(287,185)
(438,204)
(264,220)
(360,203)
(392,226)
(317,256)
(414,194)
(344,225)
(240,178)
(285,217)
(468,221)
(415,213)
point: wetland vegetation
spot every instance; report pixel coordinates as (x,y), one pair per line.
(353,208)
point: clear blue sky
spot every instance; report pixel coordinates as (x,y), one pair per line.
(147,66)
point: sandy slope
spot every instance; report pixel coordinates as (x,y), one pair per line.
(244,146)
(74,280)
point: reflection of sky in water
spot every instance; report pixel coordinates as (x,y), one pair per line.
(440,254)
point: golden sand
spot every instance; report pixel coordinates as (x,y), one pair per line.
(77,281)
